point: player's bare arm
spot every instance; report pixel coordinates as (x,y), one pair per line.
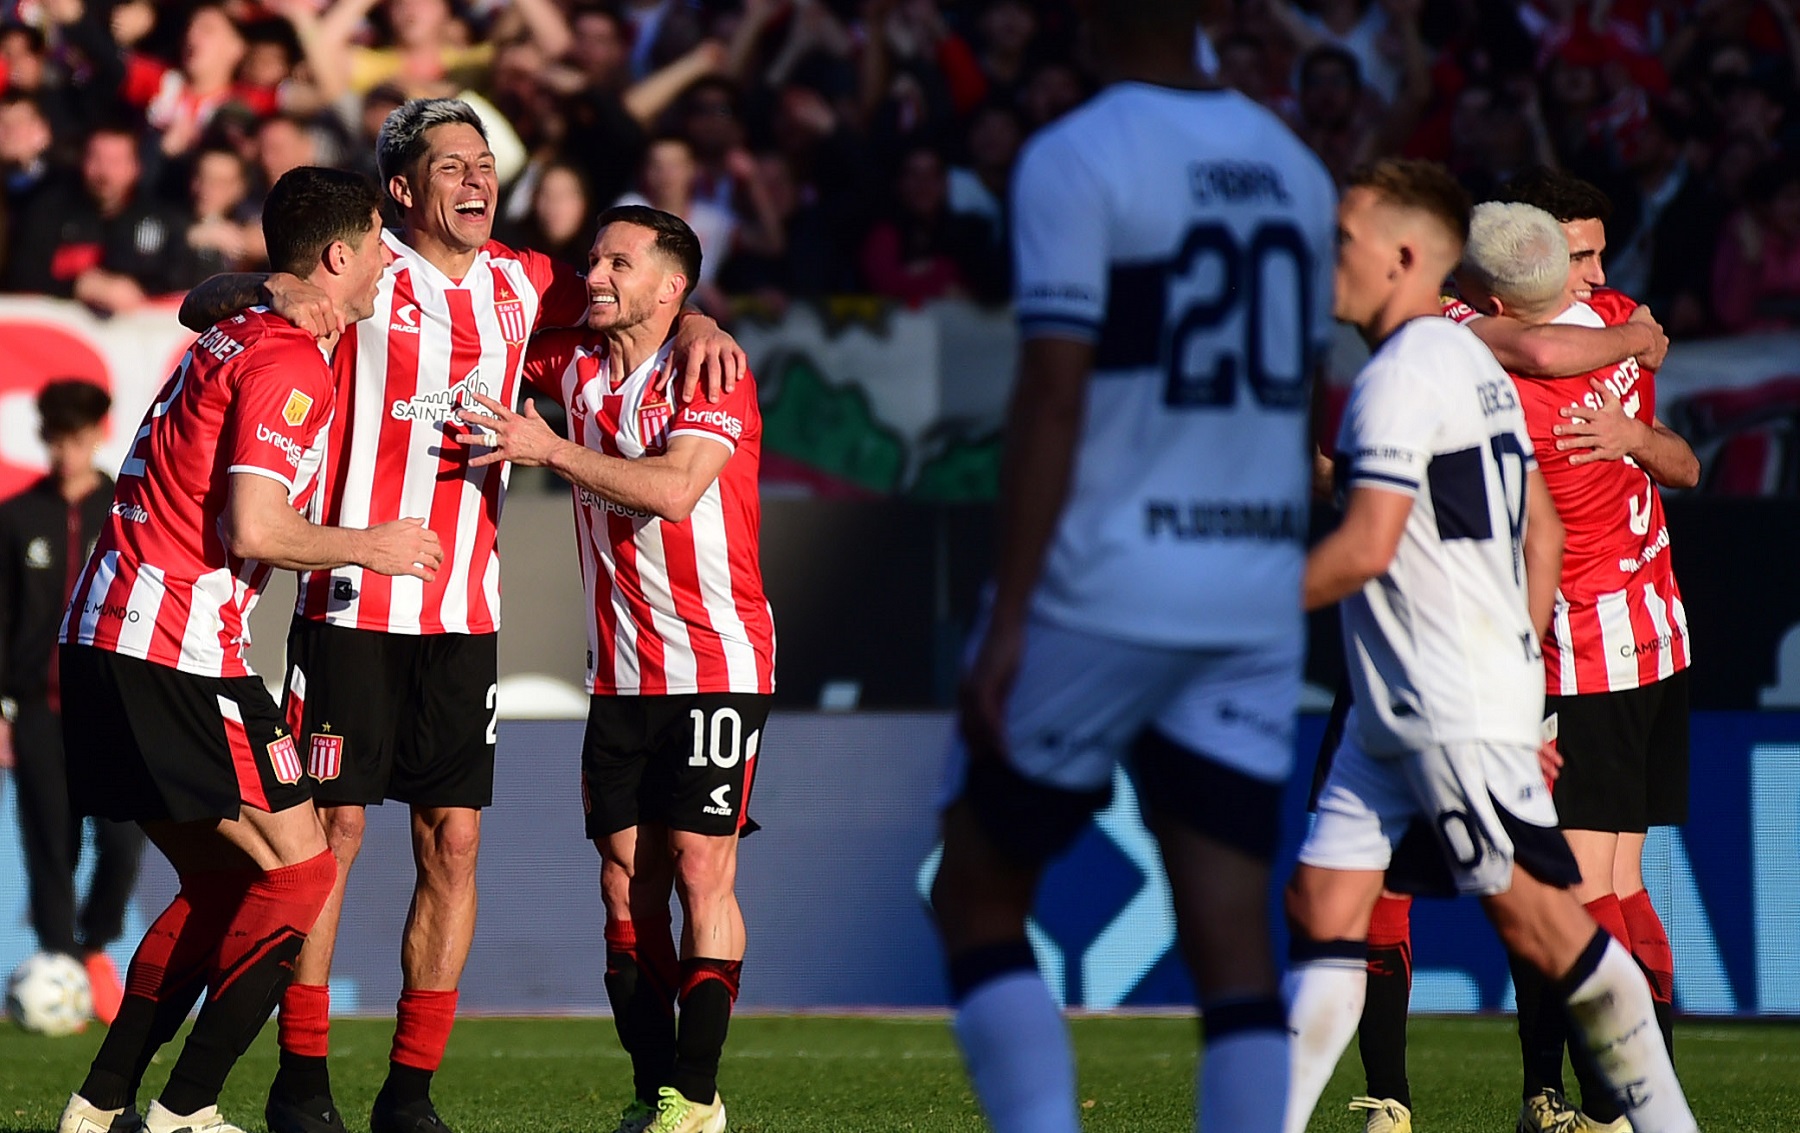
(259,523)
(1610,433)
(1553,350)
(1543,550)
(294,299)
(1361,548)
(666,485)
(1042,426)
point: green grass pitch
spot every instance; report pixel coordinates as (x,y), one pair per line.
(871,1075)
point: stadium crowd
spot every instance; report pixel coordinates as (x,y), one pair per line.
(825,147)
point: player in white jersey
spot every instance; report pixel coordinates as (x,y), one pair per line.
(165,723)
(393,686)
(1446,563)
(1173,245)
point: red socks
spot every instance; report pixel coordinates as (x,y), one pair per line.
(304,1025)
(1609,916)
(1391,923)
(278,906)
(178,946)
(1650,943)
(700,969)
(422,1028)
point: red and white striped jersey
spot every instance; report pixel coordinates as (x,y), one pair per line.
(402,374)
(673,607)
(253,395)
(1619,622)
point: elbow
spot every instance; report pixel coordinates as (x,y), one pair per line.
(675,505)
(190,314)
(1688,475)
(1371,561)
(244,540)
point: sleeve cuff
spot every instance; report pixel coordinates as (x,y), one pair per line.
(258,470)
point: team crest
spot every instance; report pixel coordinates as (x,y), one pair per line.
(325,755)
(510,310)
(284,757)
(37,554)
(294,412)
(653,421)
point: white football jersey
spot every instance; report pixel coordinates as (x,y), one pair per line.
(1189,236)
(1440,648)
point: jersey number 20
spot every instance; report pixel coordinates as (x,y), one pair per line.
(1244,278)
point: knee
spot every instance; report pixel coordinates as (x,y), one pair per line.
(705,867)
(344,828)
(447,853)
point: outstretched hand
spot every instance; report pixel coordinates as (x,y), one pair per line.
(523,438)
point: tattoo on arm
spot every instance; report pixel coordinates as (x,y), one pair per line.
(221,297)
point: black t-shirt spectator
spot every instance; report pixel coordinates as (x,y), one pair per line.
(63,234)
(42,538)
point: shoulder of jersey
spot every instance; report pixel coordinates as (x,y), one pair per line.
(259,323)
(1612,305)
(496,250)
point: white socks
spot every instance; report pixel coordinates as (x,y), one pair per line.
(1017,1050)
(1325,1001)
(1611,1007)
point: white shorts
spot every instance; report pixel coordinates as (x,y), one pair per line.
(1080,700)
(1486,804)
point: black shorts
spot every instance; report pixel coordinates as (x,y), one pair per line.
(684,761)
(408,717)
(1625,757)
(149,743)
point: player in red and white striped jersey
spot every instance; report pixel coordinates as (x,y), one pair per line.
(165,723)
(1617,653)
(394,683)
(1619,622)
(681,647)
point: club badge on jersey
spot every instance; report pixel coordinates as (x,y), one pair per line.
(653,421)
(510,310)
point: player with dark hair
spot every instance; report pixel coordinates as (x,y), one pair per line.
(681,650)
(45,532)
(1617,656)
(393,684)
(1153,507)
(1446,562)
(166,724)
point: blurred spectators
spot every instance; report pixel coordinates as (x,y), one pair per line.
(806,140)
(223,233)
(923,251)
(560,220)
(98,237)
(1756,275)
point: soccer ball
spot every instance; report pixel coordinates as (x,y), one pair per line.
(49,995)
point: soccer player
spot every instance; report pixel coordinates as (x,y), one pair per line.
(392,685)
(681,649)
(1446,562)
(1559,335)
(45,533)
(1173,243)
(1617,655)
(165,723)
